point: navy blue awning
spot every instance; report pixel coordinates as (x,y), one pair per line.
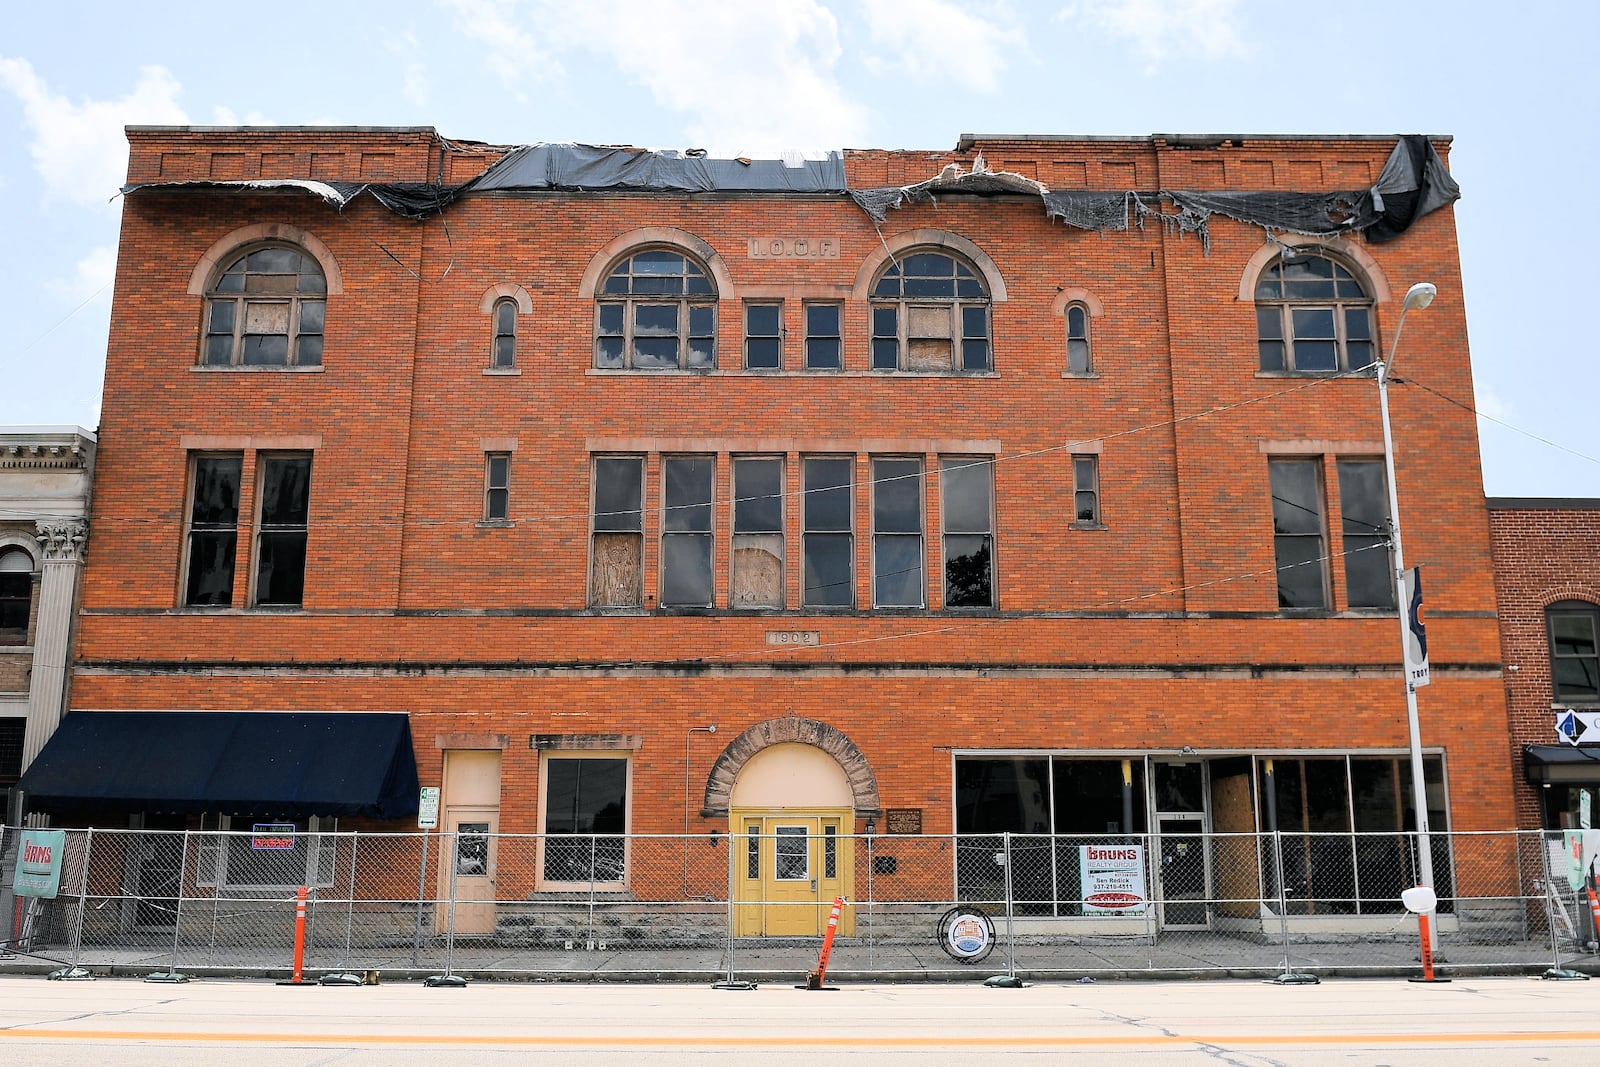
(288,764)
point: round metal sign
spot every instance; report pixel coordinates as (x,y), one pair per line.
(966,933)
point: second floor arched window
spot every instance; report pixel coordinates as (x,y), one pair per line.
(265,309)
(656,310)
(1312,316)
(930,312)
(16,595)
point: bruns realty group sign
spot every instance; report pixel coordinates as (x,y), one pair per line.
(39,863)
(1113,879)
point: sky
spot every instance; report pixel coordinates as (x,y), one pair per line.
(1517,89)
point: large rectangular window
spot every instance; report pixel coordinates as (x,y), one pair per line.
(1364,521)
(828,544)
(213,536)
(757,563)
(616,557)
(967,500)
(897,552)
(686,539)
(284,512)
(1298,533)
(585,818)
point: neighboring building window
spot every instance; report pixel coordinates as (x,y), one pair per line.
(16,596)
(828,544)
(824,341)
(763,336)
(213,536)
(504,354)
(228,852)
(1574,651)
(1364,521)
(930,312)
(897,553)
(1079,358)
(616,567)
(1312,316)
(966,498)
(686,537)
(656,310)
(757,563)
(585,818)
(497,487)
(1298,534)
(283,528)
(266,310)
(1086,490)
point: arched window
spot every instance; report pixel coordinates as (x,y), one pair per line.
(1080,359)
(16,596)
(1574,629)
(504,354)
(930,312)
(656,311)
(1312,316)
(265,309)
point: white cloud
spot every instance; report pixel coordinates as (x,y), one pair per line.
(1157,28)
(749,79)
(79,148)
(413,71)
(935,40)
(92,273)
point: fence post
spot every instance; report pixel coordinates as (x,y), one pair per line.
(350,904)
(422,888)
(1289,975)
(593,858)
(171,974)
(871,930)
(450,980)
(1011,932)
(83,898)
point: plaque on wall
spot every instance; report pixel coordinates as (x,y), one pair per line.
(902,820)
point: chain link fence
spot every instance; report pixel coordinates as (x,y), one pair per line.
(750,905)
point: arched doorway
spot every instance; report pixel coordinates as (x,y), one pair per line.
(791,815)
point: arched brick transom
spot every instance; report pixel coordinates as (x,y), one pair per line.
(719,784)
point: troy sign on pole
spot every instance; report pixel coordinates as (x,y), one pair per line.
(1416,630)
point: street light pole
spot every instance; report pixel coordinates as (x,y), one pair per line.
(1418,296)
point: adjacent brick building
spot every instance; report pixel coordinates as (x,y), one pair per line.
(968,491)
(1547,580)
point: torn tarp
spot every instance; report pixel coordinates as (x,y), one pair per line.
(979,181)
(414,200)
(1413,183)
(584,167)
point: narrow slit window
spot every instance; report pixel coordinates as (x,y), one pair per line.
(497,487)
(504,355)
(1086,490)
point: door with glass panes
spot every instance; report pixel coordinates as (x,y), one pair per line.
(788,866)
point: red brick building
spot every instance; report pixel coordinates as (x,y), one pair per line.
(1547,582)
(966,491)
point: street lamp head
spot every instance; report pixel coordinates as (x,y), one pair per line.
(1420,295)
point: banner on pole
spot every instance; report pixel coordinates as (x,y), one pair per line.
(1416,630)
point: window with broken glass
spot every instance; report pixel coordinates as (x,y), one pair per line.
(897,549)
(282,530)
(656,310)
(211,541)
(930,312)
(967,501)
(828,541)
(266,309)
(1086,492)
(1312,316)
(757,574)
(616,563)
(686,537)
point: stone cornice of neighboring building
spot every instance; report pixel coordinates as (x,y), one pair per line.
(44,447)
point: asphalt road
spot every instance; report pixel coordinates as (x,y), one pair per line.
(1502,1022)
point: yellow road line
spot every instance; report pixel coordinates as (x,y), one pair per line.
(593,1041)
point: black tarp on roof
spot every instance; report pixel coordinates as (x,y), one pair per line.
(578,167)
(283,764)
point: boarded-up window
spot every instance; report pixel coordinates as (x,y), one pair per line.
(931,314)
(757,570)
(616,560)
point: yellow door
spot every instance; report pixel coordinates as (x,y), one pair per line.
(788,868)
(474,834)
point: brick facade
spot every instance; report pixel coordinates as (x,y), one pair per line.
(1155,631)
(1546,551)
